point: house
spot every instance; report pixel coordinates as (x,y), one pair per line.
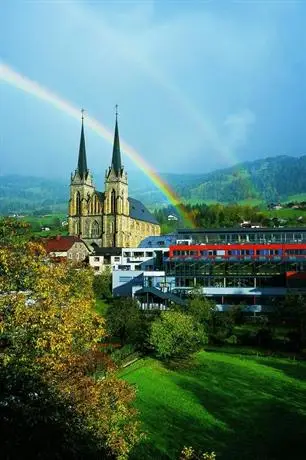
(104,258)
(171,217)
(70,248)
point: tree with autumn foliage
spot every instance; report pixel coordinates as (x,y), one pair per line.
(49,329)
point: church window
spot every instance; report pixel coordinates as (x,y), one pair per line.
(78,203)
(113,202)
(95,230)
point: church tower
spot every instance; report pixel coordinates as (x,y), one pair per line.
(111,218)
(83,220)
(116,204)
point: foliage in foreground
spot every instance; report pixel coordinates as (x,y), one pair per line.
(188,453)
(49,329)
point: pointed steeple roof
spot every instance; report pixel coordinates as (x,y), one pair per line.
(82,161)
(116,159)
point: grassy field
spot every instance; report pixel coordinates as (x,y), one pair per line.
(285,213)
(243,408)
(298,197)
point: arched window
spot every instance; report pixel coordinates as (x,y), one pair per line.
(113,202)
(95,229)
(78,203)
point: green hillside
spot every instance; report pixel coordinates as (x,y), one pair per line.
(280,178)
(241,407)
(25,194)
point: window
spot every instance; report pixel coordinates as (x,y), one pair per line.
(125,279)
(96,259)
(78,204)
(113,202)
(117,259)
(95,230)
(96,269)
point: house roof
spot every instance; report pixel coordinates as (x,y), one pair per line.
(106,251)
(61,243)
(191,231)
(139,211)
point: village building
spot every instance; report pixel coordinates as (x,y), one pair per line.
(62,248)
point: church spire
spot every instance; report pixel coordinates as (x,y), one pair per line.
(82,161)
(116,159)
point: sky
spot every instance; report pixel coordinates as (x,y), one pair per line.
(200,85)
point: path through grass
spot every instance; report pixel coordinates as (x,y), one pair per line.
(242,408)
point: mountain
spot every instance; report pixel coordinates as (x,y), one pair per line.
(19,194)
(269,179)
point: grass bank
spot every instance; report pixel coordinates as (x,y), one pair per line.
(241,407)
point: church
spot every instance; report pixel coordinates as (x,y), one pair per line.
(110,218)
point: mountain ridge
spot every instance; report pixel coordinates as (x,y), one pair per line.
(268,179)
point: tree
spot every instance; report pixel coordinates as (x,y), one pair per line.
(13,231)
(202,310)
(36,423)
(125,320)
(102,285)
(50,329)
(293,311)
(175,334)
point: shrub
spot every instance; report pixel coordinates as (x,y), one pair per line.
(175,334)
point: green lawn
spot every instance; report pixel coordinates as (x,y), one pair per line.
(243,408)
(285,213)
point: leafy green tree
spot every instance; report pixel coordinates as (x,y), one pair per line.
(175,334)
(202,310)
(293,311)
(102,285)
(124,319)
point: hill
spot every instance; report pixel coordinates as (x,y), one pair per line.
(271,179)
(241,407)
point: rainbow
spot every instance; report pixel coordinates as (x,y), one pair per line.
(10,76)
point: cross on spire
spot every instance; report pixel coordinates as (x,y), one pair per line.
(116,111)
(82,112)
